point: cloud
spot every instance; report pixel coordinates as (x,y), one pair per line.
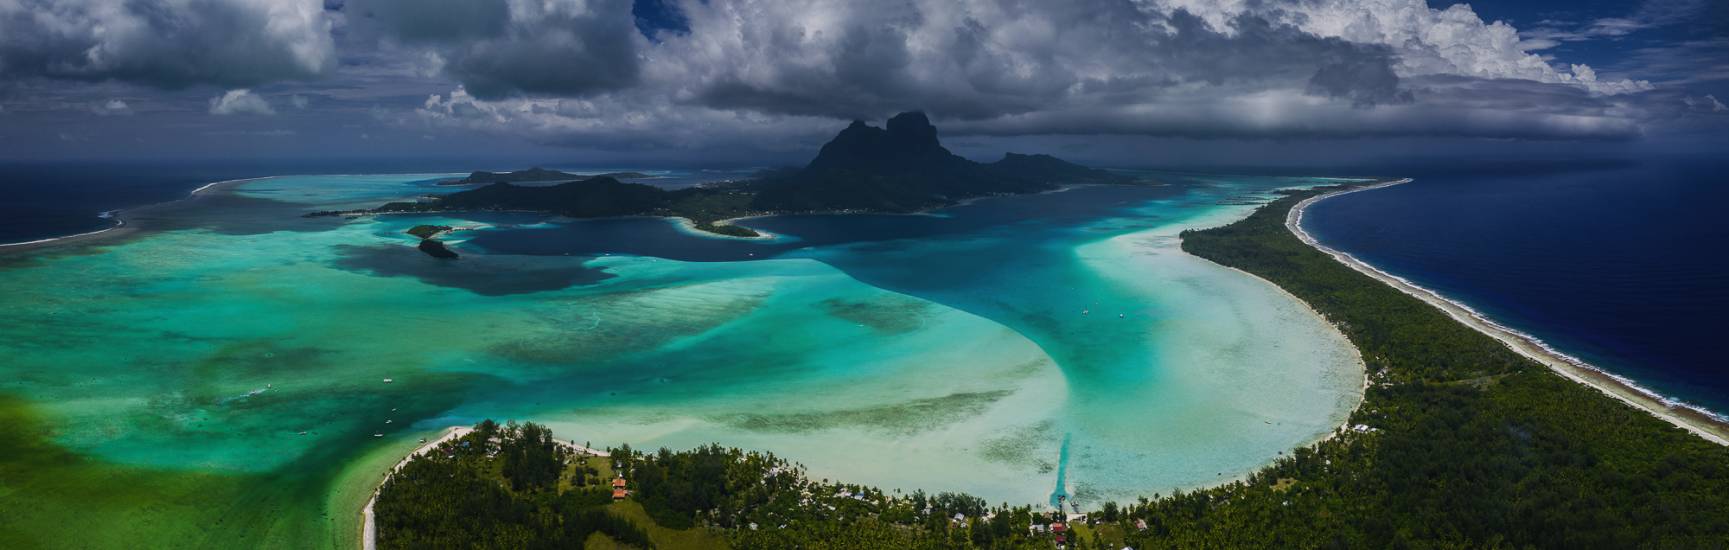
(1681,64)
(1707,104)
(618,123)
(779,74)
(112,107)
(1316,69)
(1651,14)
(1447,107)
(240,102)
(984,59)
(253,133)
(1453,41)
(1443,106)
(165,43)
(501,48)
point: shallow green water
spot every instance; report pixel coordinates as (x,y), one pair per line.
(163,383)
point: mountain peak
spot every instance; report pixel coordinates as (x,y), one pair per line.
(908,143)
(913,127)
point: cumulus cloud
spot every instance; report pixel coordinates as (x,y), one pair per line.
(1450,41)
(240,102)
(298,101)
(500,48)
(165,43)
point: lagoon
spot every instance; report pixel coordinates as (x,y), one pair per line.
(1016,348)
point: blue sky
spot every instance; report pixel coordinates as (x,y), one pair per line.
(1115,82)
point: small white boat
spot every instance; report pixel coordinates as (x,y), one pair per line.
(389,380)
(377,435)
(387,421)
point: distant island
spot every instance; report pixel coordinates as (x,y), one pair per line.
(429,242)
(536,174)
(901,168)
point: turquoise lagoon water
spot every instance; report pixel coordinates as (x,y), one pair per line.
(994,348)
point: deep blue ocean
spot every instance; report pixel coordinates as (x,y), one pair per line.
(51,200)
(1623,265)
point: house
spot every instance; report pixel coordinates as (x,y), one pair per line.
(618,483)
(619,494)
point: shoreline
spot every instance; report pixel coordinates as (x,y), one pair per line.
(1356,354)
(369,527)
(121,225)
(1697,420)
(1362,389)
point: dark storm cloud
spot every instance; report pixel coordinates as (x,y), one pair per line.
(502,48)
(433,20)
(1439,106)
(1364,82)
(777,75)
(165,44)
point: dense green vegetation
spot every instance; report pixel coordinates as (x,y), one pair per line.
(534,174)
(428,231)
(514,487)
(600,196)
(863,169)
(498,487)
